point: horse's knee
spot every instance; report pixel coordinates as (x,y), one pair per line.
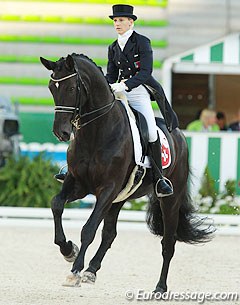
(57,206)
(87,234)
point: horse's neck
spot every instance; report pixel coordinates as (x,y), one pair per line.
(99,93)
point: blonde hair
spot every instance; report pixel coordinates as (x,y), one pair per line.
(206,114)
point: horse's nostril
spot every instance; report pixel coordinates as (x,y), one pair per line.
(65,134)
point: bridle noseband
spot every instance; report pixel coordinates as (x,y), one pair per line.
(76,110)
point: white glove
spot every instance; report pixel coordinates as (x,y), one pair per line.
(118,87)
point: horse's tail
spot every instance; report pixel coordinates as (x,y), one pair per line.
(190,226)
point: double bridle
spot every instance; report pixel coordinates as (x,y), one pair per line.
(76,110)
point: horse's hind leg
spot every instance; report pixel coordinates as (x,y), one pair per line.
(170,214)
(57,205)
(109,233)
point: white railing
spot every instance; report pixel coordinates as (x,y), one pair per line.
(225,224)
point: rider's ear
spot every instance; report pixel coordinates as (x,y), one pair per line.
(50,65)
(69,63)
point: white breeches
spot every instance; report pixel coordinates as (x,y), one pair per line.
(139,99)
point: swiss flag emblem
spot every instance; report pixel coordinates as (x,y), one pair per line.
(166,151)
(165,156)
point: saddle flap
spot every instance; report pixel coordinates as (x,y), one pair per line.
(143,130)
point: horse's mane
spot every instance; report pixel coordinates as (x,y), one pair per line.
(87,58)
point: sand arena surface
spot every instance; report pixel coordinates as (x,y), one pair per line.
(32,269)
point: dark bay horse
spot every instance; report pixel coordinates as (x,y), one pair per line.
(100,161)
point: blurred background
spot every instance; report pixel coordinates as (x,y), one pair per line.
(196,48)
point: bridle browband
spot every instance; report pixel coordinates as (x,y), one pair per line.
(61,79)
(76,111)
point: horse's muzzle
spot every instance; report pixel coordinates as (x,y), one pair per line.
(62,136)
(62,129)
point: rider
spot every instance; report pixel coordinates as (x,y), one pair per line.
(129,69)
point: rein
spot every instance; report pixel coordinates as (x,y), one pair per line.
(77,116)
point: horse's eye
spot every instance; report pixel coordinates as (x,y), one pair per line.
(71,89)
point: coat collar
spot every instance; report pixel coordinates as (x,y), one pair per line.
(130,44)
(128,47)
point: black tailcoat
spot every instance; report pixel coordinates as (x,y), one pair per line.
(135,63)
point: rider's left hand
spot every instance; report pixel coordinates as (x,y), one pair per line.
(119,87)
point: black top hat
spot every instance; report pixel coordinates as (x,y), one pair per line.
(122,10)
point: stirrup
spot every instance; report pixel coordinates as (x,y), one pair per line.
(60,176)
(161,195)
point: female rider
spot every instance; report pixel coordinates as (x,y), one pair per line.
(129,69)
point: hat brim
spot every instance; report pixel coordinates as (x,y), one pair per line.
(124,15)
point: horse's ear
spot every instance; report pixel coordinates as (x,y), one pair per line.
(69,63)
(50,65)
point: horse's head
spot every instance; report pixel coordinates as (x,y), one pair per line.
(81,97)
(65,90)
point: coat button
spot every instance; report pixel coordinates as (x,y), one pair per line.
(119,62)
(126,60)
(129,68)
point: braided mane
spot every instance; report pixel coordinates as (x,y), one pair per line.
(87,58)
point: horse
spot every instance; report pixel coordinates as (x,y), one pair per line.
(100,161)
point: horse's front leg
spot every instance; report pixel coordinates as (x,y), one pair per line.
(103,204)
(68,249)
(109,233)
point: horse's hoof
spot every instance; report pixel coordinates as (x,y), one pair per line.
(73,280)
(73,255)
(88,278)
(159,290)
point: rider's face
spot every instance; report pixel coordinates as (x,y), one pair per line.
(122,24)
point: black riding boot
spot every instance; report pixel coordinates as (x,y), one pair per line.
(163,186)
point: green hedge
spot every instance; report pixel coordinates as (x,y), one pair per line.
(78,20)
(41,101)
(28,183)
(47,101)
(11,80)
(157,64)
(158,3)
(69,40)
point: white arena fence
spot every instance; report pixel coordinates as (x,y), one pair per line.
(130,220)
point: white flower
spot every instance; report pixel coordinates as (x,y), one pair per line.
(141,199)
(207,201)
(229,198)
(203,209)
(127,205)
(220,202)
(197,200)
(214,210)
(237,201)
